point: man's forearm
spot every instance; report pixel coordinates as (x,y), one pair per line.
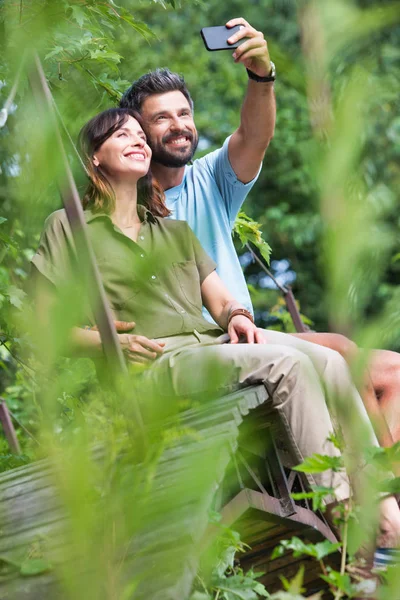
(249,142)
(258,115)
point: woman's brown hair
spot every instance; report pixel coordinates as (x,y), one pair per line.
(99,195)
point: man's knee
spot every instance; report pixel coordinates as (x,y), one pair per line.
(346,348)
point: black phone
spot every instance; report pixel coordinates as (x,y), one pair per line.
(214,38)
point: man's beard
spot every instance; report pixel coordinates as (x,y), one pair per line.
(174,157)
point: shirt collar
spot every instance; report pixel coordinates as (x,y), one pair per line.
(144,215)
(174,192)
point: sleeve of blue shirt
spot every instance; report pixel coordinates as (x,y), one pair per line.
(232,190)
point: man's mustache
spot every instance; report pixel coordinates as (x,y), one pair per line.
(174,136)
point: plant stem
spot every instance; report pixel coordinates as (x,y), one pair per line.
(344,546)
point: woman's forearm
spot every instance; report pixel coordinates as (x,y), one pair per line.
(218,300)
(84,342)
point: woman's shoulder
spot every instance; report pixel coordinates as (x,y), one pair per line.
(56,218)
(174,225)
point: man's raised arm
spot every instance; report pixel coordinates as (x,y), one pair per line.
(249,142)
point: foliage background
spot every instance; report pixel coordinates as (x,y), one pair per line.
(327,197)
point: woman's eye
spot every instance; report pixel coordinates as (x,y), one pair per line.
(121,134)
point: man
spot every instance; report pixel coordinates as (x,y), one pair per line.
(209,193)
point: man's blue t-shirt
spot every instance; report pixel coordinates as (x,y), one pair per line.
(209,199)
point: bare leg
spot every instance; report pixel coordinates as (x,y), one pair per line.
(380,380)
(385,373)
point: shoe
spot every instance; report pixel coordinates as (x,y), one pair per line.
(386,557)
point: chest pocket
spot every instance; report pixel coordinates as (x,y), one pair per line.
(188,278)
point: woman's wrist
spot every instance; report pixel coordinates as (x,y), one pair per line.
(239,311)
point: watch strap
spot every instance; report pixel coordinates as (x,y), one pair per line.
(270,77)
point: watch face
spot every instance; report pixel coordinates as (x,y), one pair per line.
(273,70)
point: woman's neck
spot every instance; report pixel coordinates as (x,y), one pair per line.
(125,214)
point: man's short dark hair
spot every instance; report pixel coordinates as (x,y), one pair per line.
(159,81)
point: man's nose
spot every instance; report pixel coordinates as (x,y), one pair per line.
(176,123)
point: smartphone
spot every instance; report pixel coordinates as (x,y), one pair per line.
(214,38)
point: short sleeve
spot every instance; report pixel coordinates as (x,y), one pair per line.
(54,256)
(232,190)
(205,264)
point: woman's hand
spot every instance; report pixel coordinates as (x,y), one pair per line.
(139,349)
(240,326)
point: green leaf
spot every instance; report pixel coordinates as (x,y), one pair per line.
(295,586)
(317,463)
(317,495)
(390,486)
(54,52)
(298,547)
(2,220)
(35,566)
(340,581)
(384,458)
(16,296)
(78,14)
(249,231)
(105,55)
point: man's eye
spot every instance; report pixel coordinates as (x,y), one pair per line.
(160,117)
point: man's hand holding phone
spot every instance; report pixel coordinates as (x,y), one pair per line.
(250,47)
(253,51)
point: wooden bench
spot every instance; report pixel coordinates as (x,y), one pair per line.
(244,480)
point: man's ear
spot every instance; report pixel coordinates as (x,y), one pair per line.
(95,161)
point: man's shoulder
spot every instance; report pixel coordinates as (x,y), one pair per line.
(211,157)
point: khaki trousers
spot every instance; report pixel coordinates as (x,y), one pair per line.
(301,378)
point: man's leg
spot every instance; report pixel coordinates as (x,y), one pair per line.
(327,362)
(383,374)
(384,367)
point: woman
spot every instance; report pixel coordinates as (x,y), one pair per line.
(156,274)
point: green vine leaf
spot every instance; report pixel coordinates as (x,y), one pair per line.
(317,495)
(317,463)
(78,14)
(16,296)
(249,231)
(318,551)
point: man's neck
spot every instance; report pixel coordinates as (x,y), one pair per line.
(167,177)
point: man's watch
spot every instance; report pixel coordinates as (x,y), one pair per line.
(270,77)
